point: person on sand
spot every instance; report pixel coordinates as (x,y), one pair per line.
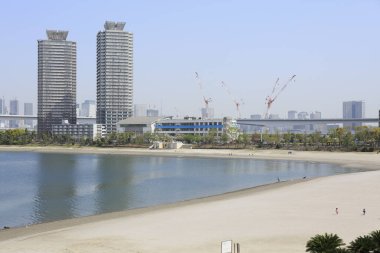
(363,211)
(336,211)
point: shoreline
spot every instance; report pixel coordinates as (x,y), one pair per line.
(12,232)
(365,160)
(269,218)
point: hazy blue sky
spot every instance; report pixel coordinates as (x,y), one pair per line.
(332,46)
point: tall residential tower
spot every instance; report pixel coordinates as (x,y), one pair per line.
(353,110)
(114,89)
(13,110)
(28,110)
(57,74)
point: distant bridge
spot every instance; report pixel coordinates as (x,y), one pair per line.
(294,122)
(82,120)
(248,122)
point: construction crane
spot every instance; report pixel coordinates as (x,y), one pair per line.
(236,102)
(276,92)
(206,101)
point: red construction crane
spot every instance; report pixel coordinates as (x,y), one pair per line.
(237,102)
(206,101)
(276,92)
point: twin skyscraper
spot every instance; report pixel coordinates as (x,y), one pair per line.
(57,78)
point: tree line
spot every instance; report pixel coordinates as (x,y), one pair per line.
(362,139)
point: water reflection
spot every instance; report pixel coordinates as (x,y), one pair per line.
(114,188)
(55,187)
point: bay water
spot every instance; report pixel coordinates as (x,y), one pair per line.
(42,187)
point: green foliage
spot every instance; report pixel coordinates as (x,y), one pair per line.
(211,136)
(364,139)
(331,243)
(17,137)
(327,243)
(376,240)
(362,244)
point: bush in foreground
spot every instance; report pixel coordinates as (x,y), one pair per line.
(332,243)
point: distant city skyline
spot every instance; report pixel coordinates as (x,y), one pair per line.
(331,46)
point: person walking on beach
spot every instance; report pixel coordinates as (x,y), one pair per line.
(363,211)
(336,211)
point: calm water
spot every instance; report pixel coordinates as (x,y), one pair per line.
(40,187)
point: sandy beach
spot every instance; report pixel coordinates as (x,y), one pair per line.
(274,218)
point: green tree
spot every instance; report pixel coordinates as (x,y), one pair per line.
(362,134)
(211,136)
(376,135)
(316,138)
(327,243)
(287,137)
(243,139)
(362,244)
(348,140)
(224,138)
(375,235)
(256,138)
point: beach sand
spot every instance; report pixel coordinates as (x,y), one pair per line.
(276,218)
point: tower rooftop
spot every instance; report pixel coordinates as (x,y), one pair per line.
(57,34)
(110,25)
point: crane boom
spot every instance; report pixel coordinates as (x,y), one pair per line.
(206,101)
(270,99)
(235,101)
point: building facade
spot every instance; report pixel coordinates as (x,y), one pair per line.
(173,127)
(56,81)
(207,113)
(88,109)
(303,115)
(114,91)
(292,114)
(28,110)
(87,131)
(2,105)
(316,115)
(13,110)
(139,110)
(138,125)
(152,113)
(190,125)
(353,110)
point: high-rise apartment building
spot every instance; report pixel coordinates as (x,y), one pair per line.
(88,108)
(28,110)
(2,105)
(353,110)
(292,114)
(316,115)
(13,110)
(139,110)
(152,113)
(57,74)
(114,89)
(13,107)
(302,115)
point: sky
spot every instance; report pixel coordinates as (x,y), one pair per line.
(332,46)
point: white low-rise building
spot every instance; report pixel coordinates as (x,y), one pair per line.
(78,131)
(170,126)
